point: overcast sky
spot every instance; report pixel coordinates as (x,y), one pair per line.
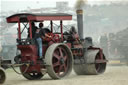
(8,5)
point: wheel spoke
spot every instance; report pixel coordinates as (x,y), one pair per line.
(56,64)
(60,69)
(56,56)
(60,51)
(65,58)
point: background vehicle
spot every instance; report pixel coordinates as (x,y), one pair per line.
(2,73)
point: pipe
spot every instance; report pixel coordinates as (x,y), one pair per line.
(80,23)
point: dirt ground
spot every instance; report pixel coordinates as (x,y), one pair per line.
(114,75)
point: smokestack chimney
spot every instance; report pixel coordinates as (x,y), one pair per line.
(80,23)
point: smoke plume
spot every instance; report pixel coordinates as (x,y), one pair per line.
(80,4)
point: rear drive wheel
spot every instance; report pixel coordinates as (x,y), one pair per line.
(33,76)
(59,60)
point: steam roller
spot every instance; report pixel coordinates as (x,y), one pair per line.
(60,53)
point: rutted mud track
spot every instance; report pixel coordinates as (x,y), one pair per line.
(114,75)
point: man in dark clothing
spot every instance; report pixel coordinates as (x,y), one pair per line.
(39,35)
(34,28)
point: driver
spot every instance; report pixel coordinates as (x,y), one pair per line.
(40,34)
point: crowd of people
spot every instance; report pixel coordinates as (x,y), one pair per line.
(115,44)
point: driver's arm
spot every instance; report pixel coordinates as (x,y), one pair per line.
(47,35)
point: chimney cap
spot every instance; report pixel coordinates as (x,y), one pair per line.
(79,11)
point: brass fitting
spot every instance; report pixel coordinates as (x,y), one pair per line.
(80,11)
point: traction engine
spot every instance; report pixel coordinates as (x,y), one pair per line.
(61,53)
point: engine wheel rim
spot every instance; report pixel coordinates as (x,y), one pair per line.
(100,67)
(58,66)
(60,61)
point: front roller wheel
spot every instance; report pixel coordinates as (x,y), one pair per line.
(94,64)
(78,69)
(2,76)
(59,61)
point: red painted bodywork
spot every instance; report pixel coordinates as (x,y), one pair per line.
(19,34)
(39,17)
(29,54)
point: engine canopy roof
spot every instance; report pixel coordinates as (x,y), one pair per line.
(37,17)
